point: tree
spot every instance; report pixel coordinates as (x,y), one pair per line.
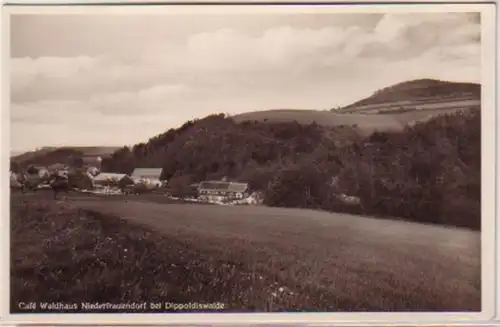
(80,180)
(15,167)
(181,187)
(299,186)
(32,170)
(429,171)
(78,162)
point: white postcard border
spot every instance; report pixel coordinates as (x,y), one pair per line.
(488,109)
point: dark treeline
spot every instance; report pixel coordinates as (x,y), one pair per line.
(429,172)
(66,156)
(216,146)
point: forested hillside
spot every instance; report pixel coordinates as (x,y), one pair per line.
(47,157)
(63,155)
(429,172)
(216,146)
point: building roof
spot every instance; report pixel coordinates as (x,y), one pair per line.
(150,173)
(109,176)
(223,186)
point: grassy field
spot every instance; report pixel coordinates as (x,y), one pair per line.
(250,258)
(430,104)
(366,123)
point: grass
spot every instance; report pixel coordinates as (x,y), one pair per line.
(249,258)
(366,123)
(421,90)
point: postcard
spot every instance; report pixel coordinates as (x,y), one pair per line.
(248,163)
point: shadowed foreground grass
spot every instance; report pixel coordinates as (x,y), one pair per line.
(67,255)
(62,253)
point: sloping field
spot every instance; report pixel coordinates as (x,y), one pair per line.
(422,104)
(367,123)
(420,90)
(324,261)
(423,115)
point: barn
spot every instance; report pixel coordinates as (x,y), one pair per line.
(148,176)
(110,179)
(222,191)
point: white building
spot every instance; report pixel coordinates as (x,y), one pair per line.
(149,176)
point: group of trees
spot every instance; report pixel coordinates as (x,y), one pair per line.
(67,156)
(430,172)
(217,146)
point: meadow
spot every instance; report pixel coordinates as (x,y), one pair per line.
(366,123)
(251,258)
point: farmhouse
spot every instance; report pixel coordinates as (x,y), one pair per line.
(147,176)
(219,191)
(110,179)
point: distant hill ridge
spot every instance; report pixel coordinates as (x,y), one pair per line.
(428,90)
(428,172)
(388,109)
(50,155)
(347,123)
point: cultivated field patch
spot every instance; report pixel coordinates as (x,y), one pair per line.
(367,123)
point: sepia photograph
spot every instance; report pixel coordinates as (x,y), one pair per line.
(249,162)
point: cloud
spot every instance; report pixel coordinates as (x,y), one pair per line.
(236,70)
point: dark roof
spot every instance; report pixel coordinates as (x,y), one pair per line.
(223,186)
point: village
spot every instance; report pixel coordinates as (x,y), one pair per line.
(87,177)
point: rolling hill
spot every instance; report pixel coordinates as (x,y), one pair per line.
(421,91)
(363,123)
(428,171)
(50,155)
(389,109)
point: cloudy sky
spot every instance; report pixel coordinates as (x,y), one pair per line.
(120,79)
